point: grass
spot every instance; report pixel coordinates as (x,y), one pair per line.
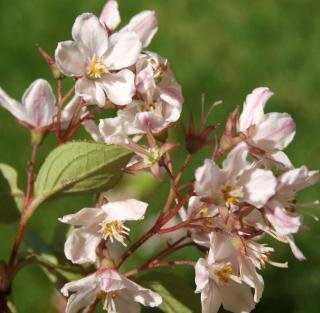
(221,48)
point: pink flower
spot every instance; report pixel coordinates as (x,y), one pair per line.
(118,293)
(267,134)
(99,61)
(97,224)
(144,24)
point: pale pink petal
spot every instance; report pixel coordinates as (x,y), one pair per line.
(207,178)
(127,210)
(236,161)
(145,82)
(90,35)
(253,107)
(81,245)
(276,131)
(112,130)
(149,120)
(259,186)
(119,87)
(70,60)
(298,178)
(124,50)
(69,110)
(92,128)
(221,248)
(110,15)
(39,102)
(294,248)
(85,217)
(13,106)
(90,91)
(86,292)
(211,299)
(250,276)
(237,298)
(140,294)
(201,275)
(123,303)
(144,25)
(284,223)
(280,159)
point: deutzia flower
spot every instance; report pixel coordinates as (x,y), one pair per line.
(218,281)
(281,208)
(237,181)
(268,133)
(99,61)
(143,24)
(157,104)
(118,293)
(38,106)
(99,224)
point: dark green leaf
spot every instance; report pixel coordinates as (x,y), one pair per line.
(10,194)
(177,295)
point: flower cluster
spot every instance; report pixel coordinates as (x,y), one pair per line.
(245,191)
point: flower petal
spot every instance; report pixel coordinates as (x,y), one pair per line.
(276,131)
(119,87)
(283,222)
(201,275)
(90,35)
(70,59)
(39,102)
(207,178)
(124,50)
(92,128)
(253,107)
(13,106)
(85,217)
(280,159)
(144,25)
(81,245)
(127,210)
(236,161)
(113,131)
(259,186)
(110,15)
(298,178)
(90,91)
(294,248)
(237,298)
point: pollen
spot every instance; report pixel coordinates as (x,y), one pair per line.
(147,107)
(115,230)
(95,68)
(223,274)
(204,212)
(227,192)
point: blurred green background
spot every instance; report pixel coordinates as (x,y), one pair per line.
(222,48)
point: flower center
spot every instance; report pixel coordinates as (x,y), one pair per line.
(231,193)
(95,68)
(109,303)
(115,230)
(147,107)
(153,156)
(223,274)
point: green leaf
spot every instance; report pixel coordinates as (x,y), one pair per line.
(81,167)
(10,194)
(177,295)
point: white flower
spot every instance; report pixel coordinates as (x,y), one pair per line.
(218,281)
(157,105)
(97,224)
(269,133)
(237,181)
(143,24)
(281,209)
(97,59)
(38,106)
(119,294)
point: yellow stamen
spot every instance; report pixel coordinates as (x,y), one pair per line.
(96,68)
(227,193)
(224,273)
